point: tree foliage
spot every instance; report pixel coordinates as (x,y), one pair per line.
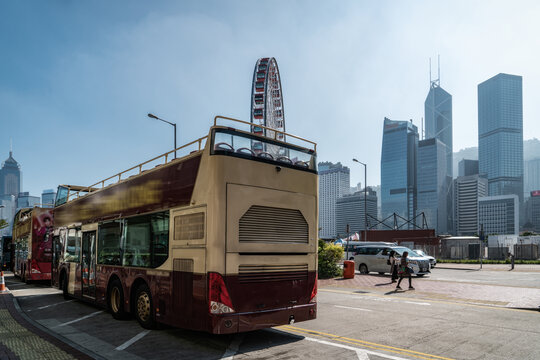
(329,257)
(3,223)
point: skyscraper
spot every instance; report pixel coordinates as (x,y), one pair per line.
(432,184)
(438,115)
(500,134)
(532,176)
(10,177)
(334,181)
(398,168)
(467,191)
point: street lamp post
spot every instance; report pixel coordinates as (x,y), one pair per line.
(152,116)
(365,198)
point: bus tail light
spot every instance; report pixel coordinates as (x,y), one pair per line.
(219,301)
(313,297)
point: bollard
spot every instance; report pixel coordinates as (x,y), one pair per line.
(2,283)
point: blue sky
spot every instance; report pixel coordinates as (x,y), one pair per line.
(77,78)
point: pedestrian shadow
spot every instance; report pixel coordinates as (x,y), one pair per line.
(384,284)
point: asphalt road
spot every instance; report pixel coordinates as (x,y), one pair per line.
(351,324)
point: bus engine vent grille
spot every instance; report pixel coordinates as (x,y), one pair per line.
(265,273)
(185,265)
(273,225)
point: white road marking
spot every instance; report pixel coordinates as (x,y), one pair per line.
(417,303)
(233,347)
(360,353)
(352,308)
(132,340)
(46,306)
(79,319)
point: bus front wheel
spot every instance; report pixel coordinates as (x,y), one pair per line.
(116,300)
(144,310)
(64,285)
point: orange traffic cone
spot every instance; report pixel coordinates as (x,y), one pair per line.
(2,283)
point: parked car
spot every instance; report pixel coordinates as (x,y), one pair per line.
(373,258)
(432,260)
(350,248)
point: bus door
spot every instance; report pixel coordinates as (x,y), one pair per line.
(56,254)
(88,270)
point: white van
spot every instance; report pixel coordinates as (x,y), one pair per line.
(350,248)
(373,258)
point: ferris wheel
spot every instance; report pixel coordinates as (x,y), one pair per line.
(267,101)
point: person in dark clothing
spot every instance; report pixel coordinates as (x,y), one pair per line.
(404,270)
(392,261)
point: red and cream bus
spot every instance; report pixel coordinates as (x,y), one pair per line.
(32,244)
(222,239)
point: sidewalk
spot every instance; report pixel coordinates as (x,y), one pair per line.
(479,294)
(490,267)
(19,339)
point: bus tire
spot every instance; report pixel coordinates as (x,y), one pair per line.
(144,309)
(116,300)
(64,285)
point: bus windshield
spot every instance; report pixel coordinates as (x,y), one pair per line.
(233,143)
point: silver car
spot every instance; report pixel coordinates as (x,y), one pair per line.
(373,258)
(432,260)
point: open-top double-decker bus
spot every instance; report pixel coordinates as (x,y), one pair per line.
(32,244)
(222,239)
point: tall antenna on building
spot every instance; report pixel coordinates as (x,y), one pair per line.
(439,68)
(10,146)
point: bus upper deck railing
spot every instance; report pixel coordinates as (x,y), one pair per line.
(88,189)
(91,188)
(275,132)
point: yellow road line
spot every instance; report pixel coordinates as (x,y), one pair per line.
(427,299)
(363,343)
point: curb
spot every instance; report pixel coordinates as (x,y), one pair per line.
(68,346)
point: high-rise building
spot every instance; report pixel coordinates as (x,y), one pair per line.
(10,177)
(25,200)
(499,215)
(47,198)
(468,167)
(467,191)
(500,134)
(350,211)
(438,115)
(531,176)
(535,210)
(398,169)
(334,182)
(432,185)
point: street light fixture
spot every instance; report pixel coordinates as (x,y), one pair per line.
(152,116)
(365,197)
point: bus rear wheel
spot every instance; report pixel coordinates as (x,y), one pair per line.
(116,300)
(144,310)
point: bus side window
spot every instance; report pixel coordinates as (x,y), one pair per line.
(110,235)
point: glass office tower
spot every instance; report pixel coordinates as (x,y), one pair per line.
(398,169)
(432,191)
(500,134)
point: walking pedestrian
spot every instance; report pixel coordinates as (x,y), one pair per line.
(392,261)
(404,270)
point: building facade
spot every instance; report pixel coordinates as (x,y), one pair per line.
(531,176)
(350,211)
(47,198)
(535,210)
(10,177)
(24,200)
(432,185)
(334,182)
(468,167)
(499,215)
(398,169)
(467,191)
(500,134)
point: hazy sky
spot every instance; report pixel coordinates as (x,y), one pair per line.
(77,78)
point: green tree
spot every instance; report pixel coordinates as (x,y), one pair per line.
(3,223)
(329,257)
